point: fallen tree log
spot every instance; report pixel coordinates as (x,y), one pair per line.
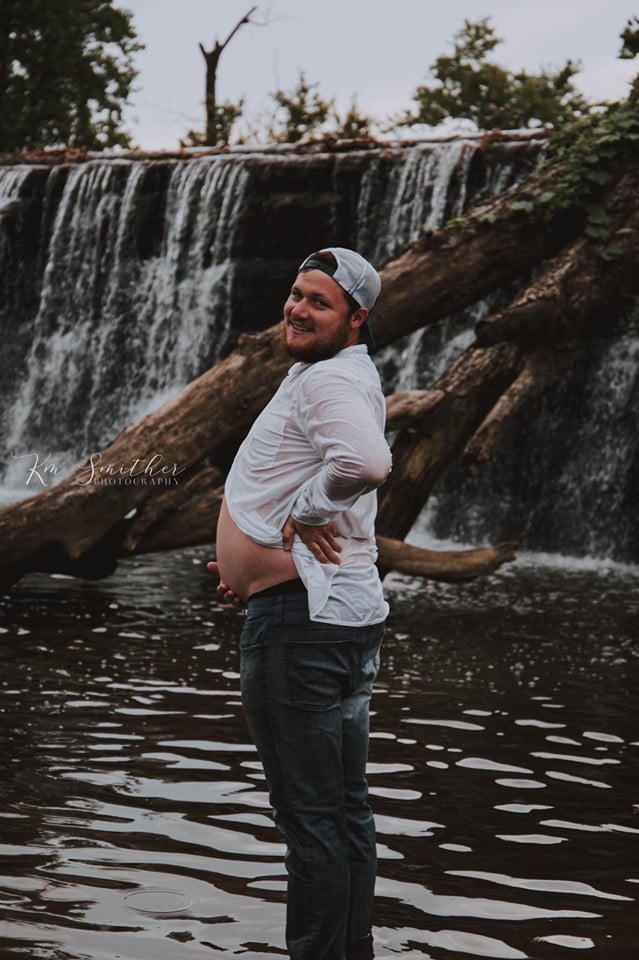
(454,408)
(541,368)
(450,566)
(82,525)
(473,406)
(449,269)
(583,288)
(166,511)
(192,525)
(581,293)
(78,526)
(411,408)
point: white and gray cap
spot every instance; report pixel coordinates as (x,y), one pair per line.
(355,275)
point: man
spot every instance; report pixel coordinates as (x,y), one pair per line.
(295,543)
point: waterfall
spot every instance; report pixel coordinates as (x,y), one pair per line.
(124,279)
(567,480)
(12,180)
(129,293)
(126,315)
(395,207)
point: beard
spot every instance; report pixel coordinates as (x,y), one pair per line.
(322,348)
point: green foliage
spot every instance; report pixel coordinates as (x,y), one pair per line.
(630,40)
(581,155)
(580,159)
(353,125)
(469,85)
(300,113)
(66,70)
(224,116)
(629,50)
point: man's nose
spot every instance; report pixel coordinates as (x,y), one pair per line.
(300,308)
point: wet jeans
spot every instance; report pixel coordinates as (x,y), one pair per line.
(306,689)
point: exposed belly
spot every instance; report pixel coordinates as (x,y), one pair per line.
(245,565)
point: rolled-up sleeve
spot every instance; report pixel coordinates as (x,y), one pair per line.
(347,431)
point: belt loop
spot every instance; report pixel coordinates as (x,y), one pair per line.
(279,609)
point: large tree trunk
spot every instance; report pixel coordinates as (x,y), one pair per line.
(83,527)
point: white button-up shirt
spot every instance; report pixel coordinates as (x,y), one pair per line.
(317,451)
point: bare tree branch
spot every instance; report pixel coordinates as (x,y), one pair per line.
(212,59)
(245,19)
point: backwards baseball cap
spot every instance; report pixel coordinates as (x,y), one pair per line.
(355,275)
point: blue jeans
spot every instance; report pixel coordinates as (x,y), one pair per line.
(306,689)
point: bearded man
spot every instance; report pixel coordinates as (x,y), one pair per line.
(296,546)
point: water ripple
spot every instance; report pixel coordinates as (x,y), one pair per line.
(135,818)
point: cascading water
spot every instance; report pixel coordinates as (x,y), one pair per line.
(417,195)
(134,274)
(121,325)
(128,294)
(12,180)
(428,189)
(567,481)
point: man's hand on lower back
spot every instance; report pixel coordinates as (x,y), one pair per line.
(322,540)
(224,591)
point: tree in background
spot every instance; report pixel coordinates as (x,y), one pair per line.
(469,85)
(66,70)
(353,125)
(223,118)
(630,40)
(629,50)
(299,113)
(220,117)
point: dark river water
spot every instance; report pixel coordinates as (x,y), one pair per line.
(504,771)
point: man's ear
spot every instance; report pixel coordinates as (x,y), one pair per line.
(359,317)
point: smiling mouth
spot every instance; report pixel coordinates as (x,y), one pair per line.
(299,327)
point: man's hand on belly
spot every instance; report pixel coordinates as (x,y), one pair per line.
(321,540)
(223,589)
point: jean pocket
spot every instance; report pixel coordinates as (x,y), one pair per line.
(317,672)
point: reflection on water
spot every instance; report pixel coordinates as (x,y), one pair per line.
(134,820)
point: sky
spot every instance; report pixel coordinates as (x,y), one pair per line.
(376,50)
